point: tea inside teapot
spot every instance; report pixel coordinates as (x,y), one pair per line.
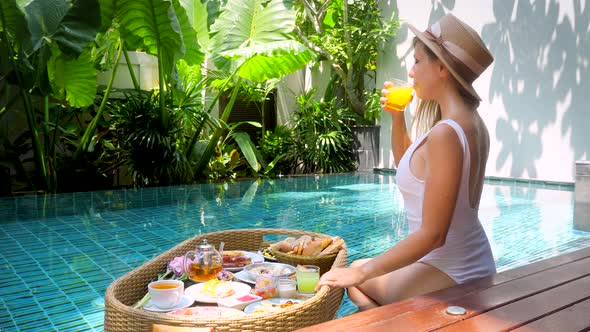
(203,263)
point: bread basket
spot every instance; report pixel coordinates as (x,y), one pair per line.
(324,262)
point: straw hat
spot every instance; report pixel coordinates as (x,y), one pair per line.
(459,48)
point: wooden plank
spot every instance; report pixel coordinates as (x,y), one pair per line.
(361,319)
(574,318)
(433,316)
(527,310)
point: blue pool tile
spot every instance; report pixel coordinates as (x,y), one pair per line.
(71,323)
(95,319)
(83,247)
(36,325)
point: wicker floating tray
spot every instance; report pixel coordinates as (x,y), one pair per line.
(130,288)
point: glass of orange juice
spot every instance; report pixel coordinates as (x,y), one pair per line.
(400,94)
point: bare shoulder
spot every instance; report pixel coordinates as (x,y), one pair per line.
(443,135)
(444,145)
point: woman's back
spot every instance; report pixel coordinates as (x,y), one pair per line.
(478,140)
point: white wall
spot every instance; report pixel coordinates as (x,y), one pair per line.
(536,94)
(144,66)
(316,77)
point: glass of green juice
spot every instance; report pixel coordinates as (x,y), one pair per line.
(308,277)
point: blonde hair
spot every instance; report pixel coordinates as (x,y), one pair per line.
(428,111)
(427,115)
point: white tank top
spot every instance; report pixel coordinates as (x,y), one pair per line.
(466,254)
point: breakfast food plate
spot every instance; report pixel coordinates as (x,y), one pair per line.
(270,305)
(211,291)
(235,260)
(186,301)
(208,312)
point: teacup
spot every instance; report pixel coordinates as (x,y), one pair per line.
(166,294)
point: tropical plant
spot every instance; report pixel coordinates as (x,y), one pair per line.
(253,41)
(153,153)
(159,27)
(348,35)
(279,146)
(10,159)
(226,163)
(372,107)
(323,136)
(51,49)
(44,51)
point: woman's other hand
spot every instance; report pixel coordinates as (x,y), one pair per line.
(342,277)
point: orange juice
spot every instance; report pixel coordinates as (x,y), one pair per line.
(398,98)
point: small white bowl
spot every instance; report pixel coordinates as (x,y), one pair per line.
(238,302)
(278,269)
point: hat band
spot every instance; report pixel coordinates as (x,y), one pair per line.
(434,34)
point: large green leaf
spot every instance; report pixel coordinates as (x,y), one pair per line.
(245,23)
(247,148)
(14,24)
(197,14)
(79,27)
(23,3)
(11,18)
(43,18)
(152,25)
(107,12)
(260,68)
(73,78)
(193,54)
(249,29)
(70,27)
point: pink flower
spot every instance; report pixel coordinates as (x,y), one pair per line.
(177,265)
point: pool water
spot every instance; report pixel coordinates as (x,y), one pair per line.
(59,253)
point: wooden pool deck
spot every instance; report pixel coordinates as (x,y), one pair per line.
(548,295)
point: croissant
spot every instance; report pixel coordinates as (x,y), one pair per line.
(334,247)
(282,246)
(313,248)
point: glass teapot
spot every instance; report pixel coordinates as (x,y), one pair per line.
(203,263)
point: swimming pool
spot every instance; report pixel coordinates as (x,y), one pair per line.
(59,253)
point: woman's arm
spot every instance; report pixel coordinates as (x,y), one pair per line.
(444,160)
(400,140)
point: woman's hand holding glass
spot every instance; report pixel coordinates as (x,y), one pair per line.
(396,95)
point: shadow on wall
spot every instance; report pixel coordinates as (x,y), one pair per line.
(438,9)
(541,64)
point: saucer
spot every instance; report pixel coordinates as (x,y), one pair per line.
(186,301)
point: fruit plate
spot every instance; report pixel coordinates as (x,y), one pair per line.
(197,292)
(271,305)
(208,312)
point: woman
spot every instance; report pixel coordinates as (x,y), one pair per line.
(440,176)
